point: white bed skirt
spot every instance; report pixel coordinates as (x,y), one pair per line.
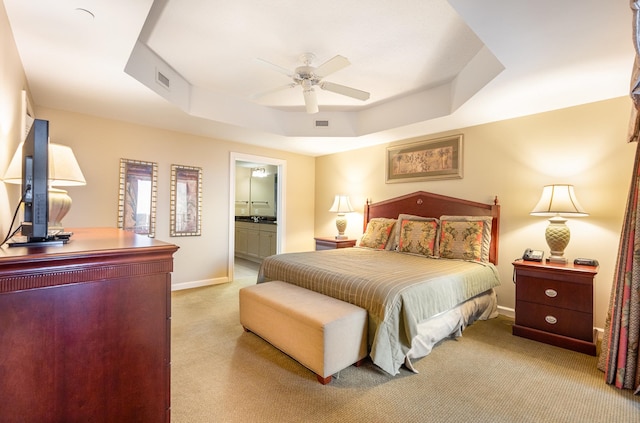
(450,324)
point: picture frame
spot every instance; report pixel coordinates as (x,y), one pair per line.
(186,200)
(137,196)
(425,160)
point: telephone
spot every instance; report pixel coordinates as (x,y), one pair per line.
(532,255)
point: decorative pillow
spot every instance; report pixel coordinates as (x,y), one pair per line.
(418,237)
(395,235)
(465,237)
(377,233)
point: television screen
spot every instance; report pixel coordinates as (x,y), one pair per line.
(35,173)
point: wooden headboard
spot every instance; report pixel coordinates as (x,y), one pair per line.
(426,204)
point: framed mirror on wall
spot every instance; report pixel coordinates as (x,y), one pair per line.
(137,197)
(186,200)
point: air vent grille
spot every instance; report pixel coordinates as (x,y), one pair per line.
(162,79)
(322,123)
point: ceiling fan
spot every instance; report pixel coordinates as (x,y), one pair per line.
(308,76)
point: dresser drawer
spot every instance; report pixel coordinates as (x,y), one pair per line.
(556,320)
(573,296)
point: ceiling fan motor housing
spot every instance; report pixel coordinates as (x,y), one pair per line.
(306,73)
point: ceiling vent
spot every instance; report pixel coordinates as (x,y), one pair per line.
(162,79)
(320,123)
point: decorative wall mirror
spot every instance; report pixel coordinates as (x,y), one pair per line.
(137,199)
(186,200)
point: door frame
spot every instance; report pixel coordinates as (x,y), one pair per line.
(280,201)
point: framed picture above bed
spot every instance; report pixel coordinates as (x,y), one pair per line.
(425,160)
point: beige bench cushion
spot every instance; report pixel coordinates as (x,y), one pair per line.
(322,333)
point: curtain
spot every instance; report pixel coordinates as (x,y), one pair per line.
(619,358)
(634,122)
(619,355)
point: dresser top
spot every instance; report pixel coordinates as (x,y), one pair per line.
(88,242)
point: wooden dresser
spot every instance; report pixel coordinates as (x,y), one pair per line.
(85,329)
(554,304)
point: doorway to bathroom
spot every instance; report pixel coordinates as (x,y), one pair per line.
(256,212)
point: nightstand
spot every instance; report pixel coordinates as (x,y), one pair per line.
(554,304)
(332,243)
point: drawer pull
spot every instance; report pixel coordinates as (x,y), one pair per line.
(551,293)
(551,320)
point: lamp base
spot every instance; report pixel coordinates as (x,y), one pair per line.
(557,259)
(341,225)
(59,206)
(557,235)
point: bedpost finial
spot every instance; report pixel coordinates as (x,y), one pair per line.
(495,201)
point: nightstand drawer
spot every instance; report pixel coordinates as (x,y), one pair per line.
(573,296)
(560,321)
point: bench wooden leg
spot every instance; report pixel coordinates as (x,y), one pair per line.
(324,380)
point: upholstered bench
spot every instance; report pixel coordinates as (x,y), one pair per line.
(322,333)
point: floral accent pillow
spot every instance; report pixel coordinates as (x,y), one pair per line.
(465,237)
(395,234)
(418,237)
(377,233)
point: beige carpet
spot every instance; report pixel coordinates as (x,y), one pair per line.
(222,374)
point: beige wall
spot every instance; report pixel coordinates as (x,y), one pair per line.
(100,143)
(12,82)
(513,159)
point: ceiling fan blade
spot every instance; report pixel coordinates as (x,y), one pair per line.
(310,100)
(348,91)
(273,90)
(277,68)
(332,65)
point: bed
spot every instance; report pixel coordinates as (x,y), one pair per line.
(424,269)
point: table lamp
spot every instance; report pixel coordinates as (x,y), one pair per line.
(557,201)
(63,171)
(341,205)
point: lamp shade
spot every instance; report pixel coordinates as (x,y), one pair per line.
(559,200)
(63,167)
(341,204)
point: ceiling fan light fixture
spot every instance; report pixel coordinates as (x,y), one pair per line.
(310,100)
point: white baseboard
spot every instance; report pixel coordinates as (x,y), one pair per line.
(197,284)
(599,333)
(509,312)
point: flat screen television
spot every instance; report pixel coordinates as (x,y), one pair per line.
(35,173)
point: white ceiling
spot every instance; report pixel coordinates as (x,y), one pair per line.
(430,65)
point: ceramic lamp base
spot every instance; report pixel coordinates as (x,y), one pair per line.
(557,235)
(560,260)
(341,225)
(59,206)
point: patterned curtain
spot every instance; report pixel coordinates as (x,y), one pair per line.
(619,358)
(634,123)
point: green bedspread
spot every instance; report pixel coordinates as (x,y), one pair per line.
(398,290)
